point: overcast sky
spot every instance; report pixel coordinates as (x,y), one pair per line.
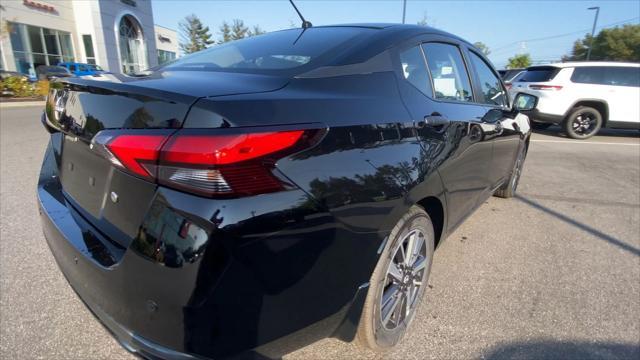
(507,27)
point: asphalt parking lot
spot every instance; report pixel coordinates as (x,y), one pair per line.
(553,273)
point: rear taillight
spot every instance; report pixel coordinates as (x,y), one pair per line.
(545,87)
(205,163)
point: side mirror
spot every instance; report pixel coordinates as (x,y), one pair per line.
(525,102)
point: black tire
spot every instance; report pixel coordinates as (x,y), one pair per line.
(373,332)
(540,126)
(583,122)
(508,189)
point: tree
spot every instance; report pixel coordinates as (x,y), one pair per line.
(424,21)
(519,61)
(194,35)
(256,30)
(482,47)
(237,30)
(615,44)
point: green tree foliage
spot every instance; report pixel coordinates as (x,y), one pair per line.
(194,35)
(482,47)
(237,30)
(519,61)
(615,44)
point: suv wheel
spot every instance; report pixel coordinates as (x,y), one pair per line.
(398,282)
(583,123)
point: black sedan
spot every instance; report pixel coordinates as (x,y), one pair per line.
(255,197)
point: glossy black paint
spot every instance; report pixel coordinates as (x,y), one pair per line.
(172,273)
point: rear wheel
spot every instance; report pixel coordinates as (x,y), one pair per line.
(583,123)
(398,282)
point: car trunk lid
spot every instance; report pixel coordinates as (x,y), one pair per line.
(114,201)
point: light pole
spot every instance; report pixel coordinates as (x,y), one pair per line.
(593,30)
(404,10)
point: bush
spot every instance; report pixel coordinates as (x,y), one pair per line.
(18,86)
(42,88)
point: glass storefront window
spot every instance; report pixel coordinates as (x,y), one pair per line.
(51,40)
(35,38)
(165,56)
(88,49)
(34,46)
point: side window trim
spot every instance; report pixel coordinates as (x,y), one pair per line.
(466,68)
(426,65)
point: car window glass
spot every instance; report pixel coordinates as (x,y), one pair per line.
(82,68)
(450,78)
(278,50)
(588,75)
(538,74)
(415,70)
(72,67)
(622,76)
(489,82)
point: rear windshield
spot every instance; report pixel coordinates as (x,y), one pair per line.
(538,74)
(276,51)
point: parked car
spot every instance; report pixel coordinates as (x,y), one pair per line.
(583,97)
(254,204)
(81,69)
(508,75)
(50,72)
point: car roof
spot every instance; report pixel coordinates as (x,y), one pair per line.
(589,63)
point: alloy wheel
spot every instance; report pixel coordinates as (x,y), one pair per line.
(517,171)
(404,280)
(584,123)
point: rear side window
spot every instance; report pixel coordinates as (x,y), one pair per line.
(622,76)
(538,74)
(588,75)
(492,90)
(279,50)
(415,70)
(72,67)
(450,77)
(606,75)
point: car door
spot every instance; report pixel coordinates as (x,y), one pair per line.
(83,70)
(498,122)
(436,88)
(623,95)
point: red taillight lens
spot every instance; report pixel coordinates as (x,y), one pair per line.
(211,164)
(545,87)
(137,153)
(226,149)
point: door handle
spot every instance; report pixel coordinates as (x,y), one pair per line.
(435,120)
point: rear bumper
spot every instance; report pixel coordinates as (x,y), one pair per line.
(76,267)
(241,281)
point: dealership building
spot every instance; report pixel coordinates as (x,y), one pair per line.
(118,35)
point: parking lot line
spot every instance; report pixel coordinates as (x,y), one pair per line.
(584,142)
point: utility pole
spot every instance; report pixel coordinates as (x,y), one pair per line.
(404,10)
(593,30)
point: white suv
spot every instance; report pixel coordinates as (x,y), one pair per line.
(583,96)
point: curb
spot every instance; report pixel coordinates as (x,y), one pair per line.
(20,104)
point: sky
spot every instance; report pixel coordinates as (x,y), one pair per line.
(507,27)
